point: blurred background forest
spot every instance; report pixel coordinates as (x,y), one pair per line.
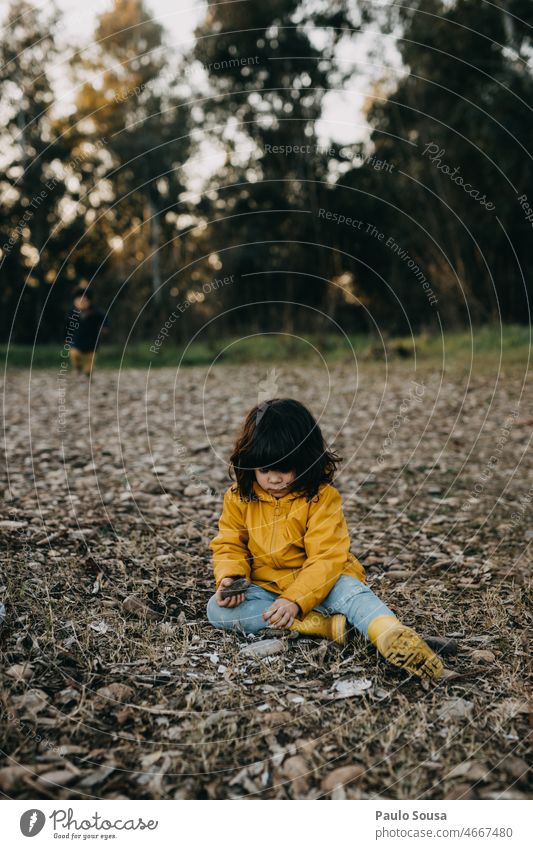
(151,166)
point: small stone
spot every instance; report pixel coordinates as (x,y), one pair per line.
(193,489)
(264,648)
(351,687)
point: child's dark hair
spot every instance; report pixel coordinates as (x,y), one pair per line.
(282,434)
(82,292)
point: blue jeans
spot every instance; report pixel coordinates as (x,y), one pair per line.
(349,596)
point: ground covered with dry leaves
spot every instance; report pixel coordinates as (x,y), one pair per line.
(115,686)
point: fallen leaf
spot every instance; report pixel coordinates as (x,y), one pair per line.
(11,776)
(341,776)
(296,769)
(96,776)
(338,794)
(134,604)
(473,770)
(280,717)
(398,573)
(67,695)
(100,627)
(215,718)
(123,715)
(20,671)
(57,776)
(33,701)
(483,656)
(115,692)
(459,791)
(149,760)
(516,767)
(455,709)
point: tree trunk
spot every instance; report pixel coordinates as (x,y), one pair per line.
(154,239)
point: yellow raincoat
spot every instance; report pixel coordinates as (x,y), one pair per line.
(288,545)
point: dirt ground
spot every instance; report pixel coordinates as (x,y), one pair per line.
(115,686)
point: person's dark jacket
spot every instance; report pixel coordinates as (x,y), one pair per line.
(83,329)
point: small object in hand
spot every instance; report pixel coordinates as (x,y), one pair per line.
(239,585)
(443,645)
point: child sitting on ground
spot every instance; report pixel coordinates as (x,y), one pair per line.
(283,529)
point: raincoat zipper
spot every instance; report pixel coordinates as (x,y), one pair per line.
(276,514)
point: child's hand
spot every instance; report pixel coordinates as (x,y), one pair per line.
(233,601)
(281,613)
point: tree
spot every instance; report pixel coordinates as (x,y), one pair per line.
(138,127)
(31,182)
(456,128)
(269,74)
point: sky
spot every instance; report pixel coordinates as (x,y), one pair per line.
(177,16)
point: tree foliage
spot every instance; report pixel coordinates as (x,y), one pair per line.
(121,191)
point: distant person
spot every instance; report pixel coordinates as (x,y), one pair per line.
(282,555)
(85,325)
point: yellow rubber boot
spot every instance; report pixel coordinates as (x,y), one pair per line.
(316,625)
(402,647)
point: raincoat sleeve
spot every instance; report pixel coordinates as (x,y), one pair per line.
(230,546)
(327,546)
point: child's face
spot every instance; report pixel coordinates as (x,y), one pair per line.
(276,483)
(82,303)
